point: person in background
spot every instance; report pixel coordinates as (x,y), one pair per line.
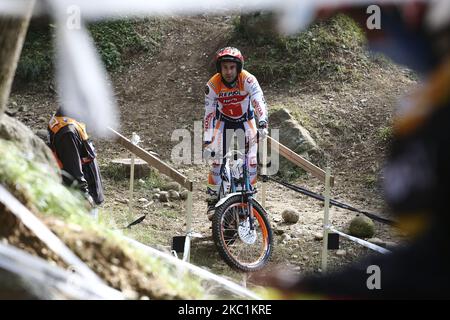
(76,157)
(232,98)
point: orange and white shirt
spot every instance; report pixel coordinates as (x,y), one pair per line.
(245,97)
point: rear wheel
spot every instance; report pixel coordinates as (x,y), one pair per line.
(241,247)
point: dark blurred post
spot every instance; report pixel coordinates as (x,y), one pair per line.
(12,37)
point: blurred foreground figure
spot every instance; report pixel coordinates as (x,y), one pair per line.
(417,172)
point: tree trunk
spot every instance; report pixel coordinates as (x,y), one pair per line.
(12,37)
(123,166)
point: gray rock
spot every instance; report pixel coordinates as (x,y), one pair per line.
(361,227)
(124,201)
(174,195)
(172,186)
(43,134)
(285,237)
(318,236)
(377,241)
(155,196)
(295,137)
(12,112)
(297,233)
(24,108)
(147,204)
(290,215)
(142,200)
(278,231)
(32,146)
(341,253)
(164,196)
(184,194)
(156,190)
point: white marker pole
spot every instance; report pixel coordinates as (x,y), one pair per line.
(326,221)
(187,243)
(264,171)
(135,140)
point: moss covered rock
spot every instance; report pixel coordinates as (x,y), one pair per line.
(26,141)
(361,227)
(294,136)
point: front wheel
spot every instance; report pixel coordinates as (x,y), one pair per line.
(240,246)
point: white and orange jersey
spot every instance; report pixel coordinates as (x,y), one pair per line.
(244,98)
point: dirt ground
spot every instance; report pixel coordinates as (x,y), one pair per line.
(157,95)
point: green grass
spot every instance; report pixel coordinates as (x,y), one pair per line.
(40,191)
(385,134)
(371,181)
(118,173)
(154,180)
(113,171)
(32,181)
(36,60)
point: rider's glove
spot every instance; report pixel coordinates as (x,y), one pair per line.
(262,131)
(262,124)
(208,152)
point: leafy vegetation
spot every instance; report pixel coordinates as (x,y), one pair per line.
(42,192)
(329,50)
(115,41)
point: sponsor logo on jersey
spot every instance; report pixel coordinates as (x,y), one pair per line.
(229,94)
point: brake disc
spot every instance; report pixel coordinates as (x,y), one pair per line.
(247,236)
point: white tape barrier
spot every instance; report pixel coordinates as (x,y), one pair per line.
(296,14)
(45,235)
(55,244)
(233,287)
(69,285)
(364,243)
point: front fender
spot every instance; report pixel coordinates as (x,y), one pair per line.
(222,201)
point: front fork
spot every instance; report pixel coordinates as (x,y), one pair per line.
(250,210)
(247,197)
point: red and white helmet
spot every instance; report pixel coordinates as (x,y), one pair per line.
(229,54)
